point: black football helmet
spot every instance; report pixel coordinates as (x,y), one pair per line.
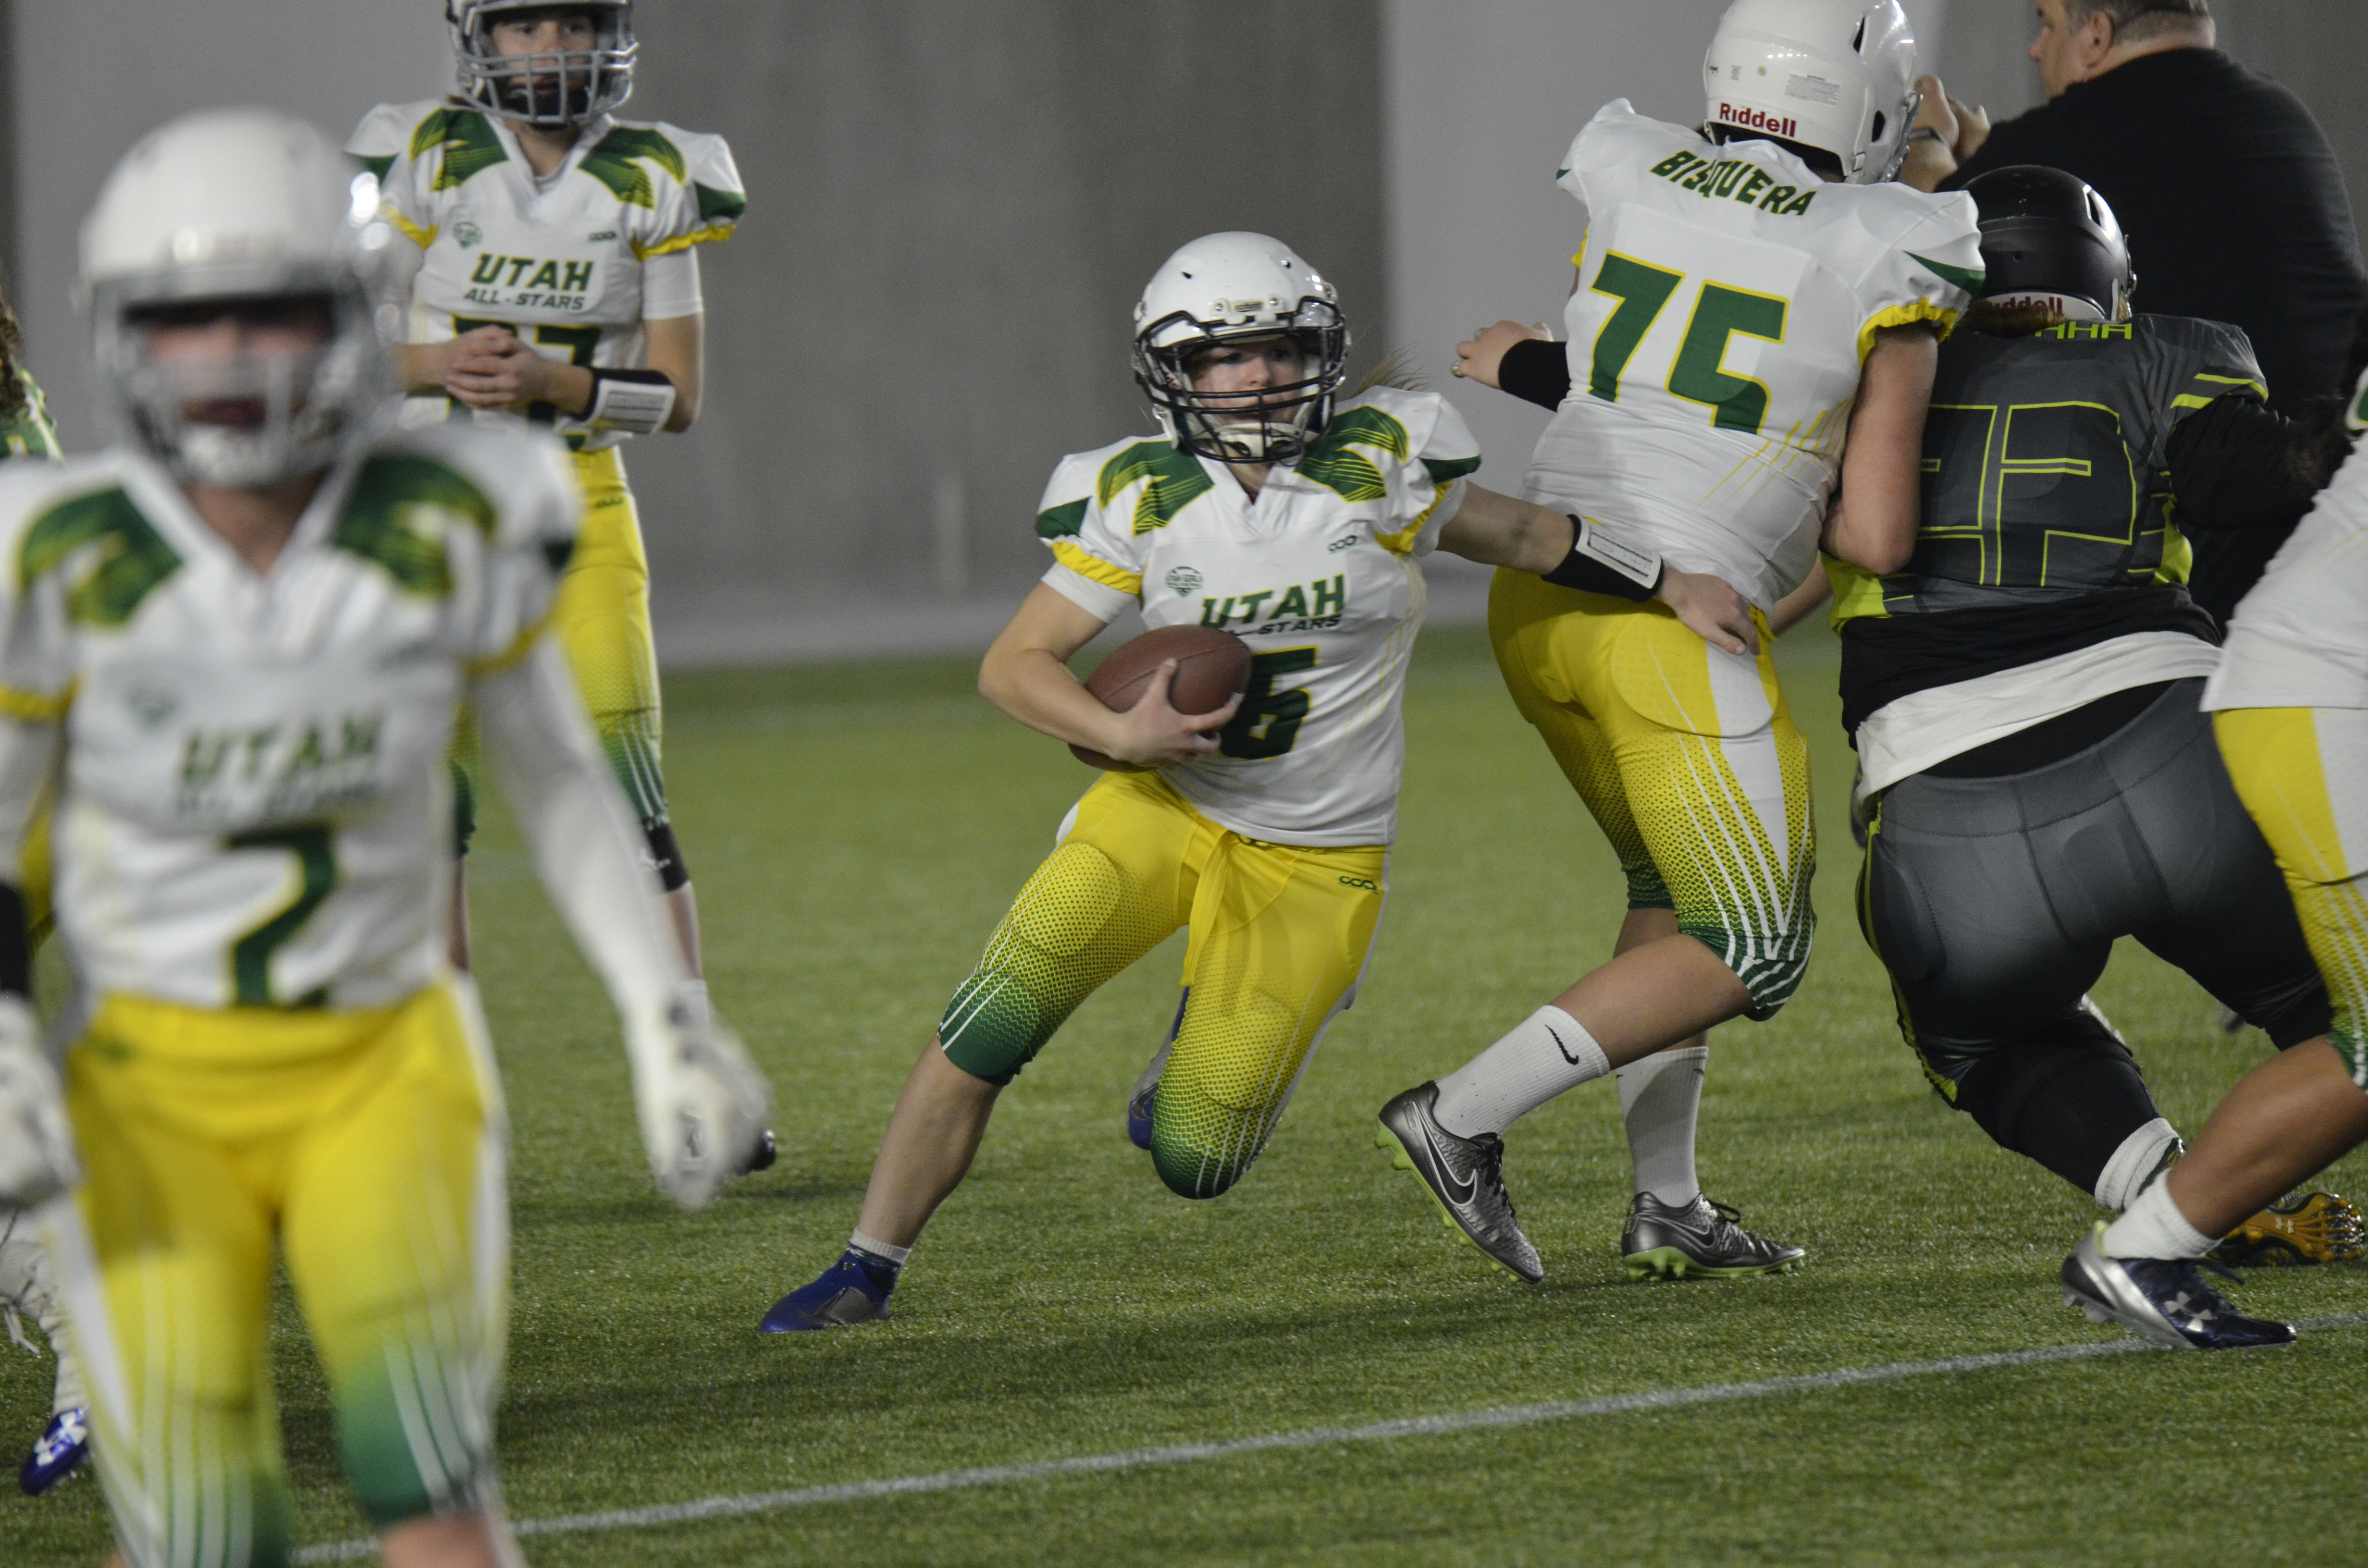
(2049,239)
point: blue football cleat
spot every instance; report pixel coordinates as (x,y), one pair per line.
(1140,1099)
(2164,1300)
(63,1444)
(1138,1115)
(845,1295)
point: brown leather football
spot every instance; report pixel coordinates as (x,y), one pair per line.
(1212,667)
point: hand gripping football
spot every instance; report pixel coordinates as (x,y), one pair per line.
(1212,667)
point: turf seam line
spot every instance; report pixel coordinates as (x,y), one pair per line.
(1493,1418)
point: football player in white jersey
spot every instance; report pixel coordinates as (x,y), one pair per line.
(1296,519)
(238,638)
(557,285)
(1755,316)
(2290,705)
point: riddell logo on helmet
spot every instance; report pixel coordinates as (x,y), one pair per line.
(1757,119)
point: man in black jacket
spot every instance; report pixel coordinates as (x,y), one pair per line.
(2232,199)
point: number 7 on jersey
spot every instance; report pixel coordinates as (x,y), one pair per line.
(1698,374)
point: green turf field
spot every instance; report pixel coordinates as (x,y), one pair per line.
(856,831)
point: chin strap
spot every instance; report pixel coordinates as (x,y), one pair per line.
(637,402)
(1600,565)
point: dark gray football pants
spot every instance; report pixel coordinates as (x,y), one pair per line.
(1995,903)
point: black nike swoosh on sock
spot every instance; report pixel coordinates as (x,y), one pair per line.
(1566,1056)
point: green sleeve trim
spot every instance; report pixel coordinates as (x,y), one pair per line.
(719,206)
(1446,470)
(1062,522)
(377,167)
(1969,280)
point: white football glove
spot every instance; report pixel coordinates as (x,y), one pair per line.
(37,1153)
(703,1103)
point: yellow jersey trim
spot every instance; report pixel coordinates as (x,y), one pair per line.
(510,657)
(2257,388)
(32,708)
(709,235)
(421,237)
(1402,541)
(1903,316)
(1857,591)
(1093,567)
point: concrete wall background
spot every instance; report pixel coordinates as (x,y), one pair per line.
(953,207)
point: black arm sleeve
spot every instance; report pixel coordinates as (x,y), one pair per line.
(2231,469)
(16,944)
(1536,370)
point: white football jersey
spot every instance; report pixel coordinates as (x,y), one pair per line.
(2300,638)
(254,806)
(560,261)
(1320,574)
(1727,299)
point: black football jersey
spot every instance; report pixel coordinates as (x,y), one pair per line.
(2045,476)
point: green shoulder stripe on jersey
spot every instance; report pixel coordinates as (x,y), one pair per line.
(1171,481)
(377,167)
(125,559)
(612,162)
(719,206)
(1970,280)
(1062,522)
(377,524)
(1445,471)
(1335,463)
(467,140)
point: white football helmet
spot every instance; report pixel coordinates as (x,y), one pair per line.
(1837,75)
(563,88)
(1235,288)
(239,206)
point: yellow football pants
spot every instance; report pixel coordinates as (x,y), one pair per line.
(1278,936)
(602,620)
(2303,773)
(1688,759)
(368,1146)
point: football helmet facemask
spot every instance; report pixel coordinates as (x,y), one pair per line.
(1837,75)
(242,214)
(2050,241)
(554,90)
(1229,290)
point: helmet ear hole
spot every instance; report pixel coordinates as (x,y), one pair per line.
(1858,39)
(1879,123)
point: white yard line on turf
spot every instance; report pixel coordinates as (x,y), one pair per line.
(1312,1438)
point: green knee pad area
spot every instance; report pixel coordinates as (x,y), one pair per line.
(1199,1147)
(407,1470)
(992,1027)
(1050,952)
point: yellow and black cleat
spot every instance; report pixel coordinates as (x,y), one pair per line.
(2298,1229)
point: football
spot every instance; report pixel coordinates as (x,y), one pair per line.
(1212,667)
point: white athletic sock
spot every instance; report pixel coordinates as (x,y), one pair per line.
(1661,1095)
(1547,1054)
(694,992)
(861,1243)
(2134,1161)
(2155,1228)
